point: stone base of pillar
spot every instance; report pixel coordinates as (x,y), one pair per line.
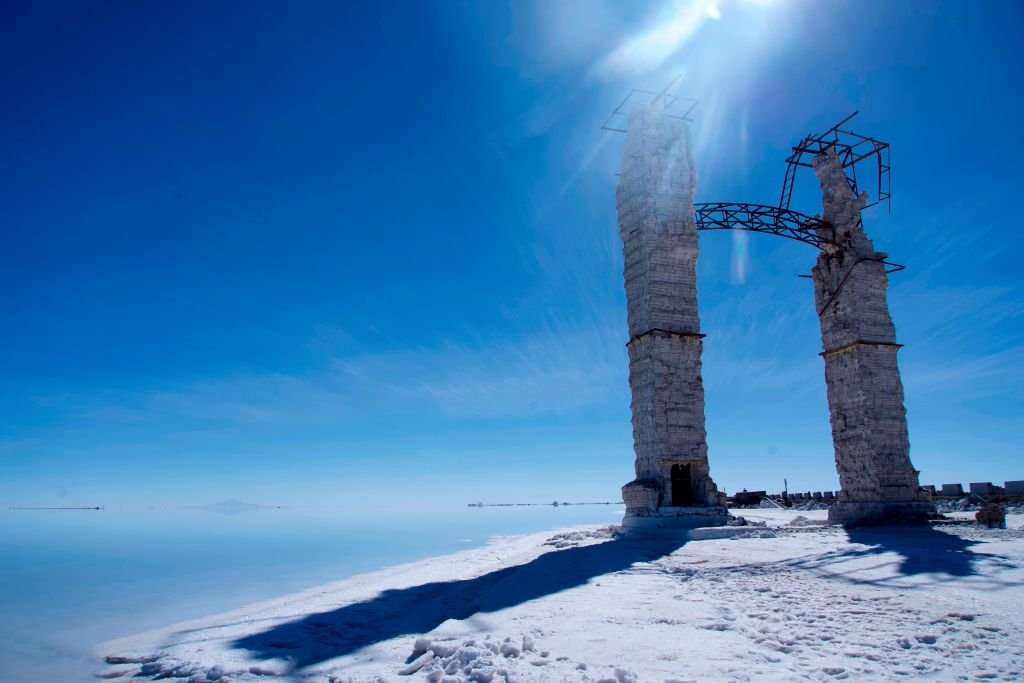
(640,495)
(881,513)
(682,517)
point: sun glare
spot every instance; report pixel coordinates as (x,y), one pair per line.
(677,23)
(648,50)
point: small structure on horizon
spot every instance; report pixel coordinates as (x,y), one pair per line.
(982,488)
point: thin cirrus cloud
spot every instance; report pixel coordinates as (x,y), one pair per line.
(559,369)
(966,379)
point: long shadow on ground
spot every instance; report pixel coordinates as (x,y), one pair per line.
(917,557)
(924,550)
(419,609)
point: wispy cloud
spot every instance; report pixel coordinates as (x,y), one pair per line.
(965,379)
(950,317)
(556,370)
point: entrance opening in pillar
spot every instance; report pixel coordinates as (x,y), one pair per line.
(658,224)
(682,486)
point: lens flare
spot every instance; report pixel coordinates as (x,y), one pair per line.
(740,257)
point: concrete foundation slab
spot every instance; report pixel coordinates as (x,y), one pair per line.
(881,512)
(678,517)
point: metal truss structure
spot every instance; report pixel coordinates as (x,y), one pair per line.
(676,107)
(780,220)
(852,148)
(771,220)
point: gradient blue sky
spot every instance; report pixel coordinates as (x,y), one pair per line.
(345,252)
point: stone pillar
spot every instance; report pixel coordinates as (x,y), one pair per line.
(865,395)
(656,222)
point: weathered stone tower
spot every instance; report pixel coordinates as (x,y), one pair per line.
(654,196)
(865,395)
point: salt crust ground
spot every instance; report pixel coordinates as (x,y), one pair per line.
(788,602)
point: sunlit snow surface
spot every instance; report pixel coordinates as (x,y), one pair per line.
(70,579)
(783,602)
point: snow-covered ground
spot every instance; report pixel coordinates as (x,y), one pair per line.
(781,602)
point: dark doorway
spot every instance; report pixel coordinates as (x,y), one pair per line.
(682,485)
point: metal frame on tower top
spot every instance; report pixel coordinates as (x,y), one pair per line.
(780,220)
(676,107)
(852,148)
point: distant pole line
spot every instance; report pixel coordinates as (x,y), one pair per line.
(94,507)
(554,504)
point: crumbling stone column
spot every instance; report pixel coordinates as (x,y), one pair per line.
(656,222)
(865,394)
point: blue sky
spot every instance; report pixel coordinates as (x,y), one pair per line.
(335,252)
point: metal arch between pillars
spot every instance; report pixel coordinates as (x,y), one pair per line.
(771,220)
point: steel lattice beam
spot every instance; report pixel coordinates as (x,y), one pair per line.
(851,147)
(771,220)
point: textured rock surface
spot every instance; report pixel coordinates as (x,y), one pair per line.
(655,207)
(865,394)
(992,515)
